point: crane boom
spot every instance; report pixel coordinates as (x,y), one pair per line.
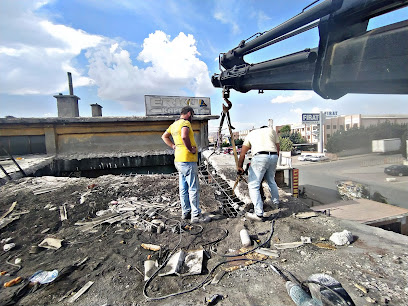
(348,59)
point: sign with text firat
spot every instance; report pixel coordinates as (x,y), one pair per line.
(171,105)
(312,118)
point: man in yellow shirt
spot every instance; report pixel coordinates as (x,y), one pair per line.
(185,161)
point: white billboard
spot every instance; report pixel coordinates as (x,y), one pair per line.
(171,105)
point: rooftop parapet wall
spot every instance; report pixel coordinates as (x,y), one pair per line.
(98,135)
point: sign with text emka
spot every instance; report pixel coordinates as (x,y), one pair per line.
(312,118)
(170,105)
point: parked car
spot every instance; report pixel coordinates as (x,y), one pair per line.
(296,152)
(304,157)
(396,170)
(318,158)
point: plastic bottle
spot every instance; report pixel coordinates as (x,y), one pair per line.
(245,239)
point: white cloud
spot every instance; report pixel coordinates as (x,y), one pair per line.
(174,69)
(36,54)
(226,19)
(296,96)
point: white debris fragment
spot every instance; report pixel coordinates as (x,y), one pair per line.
(342,238)
(305,239)
(7,247)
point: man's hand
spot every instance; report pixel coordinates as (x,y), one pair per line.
(240,171)
(193,150)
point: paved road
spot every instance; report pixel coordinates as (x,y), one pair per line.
(320,179)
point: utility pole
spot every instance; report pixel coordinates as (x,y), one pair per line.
(321,136)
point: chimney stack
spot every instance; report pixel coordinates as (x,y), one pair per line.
(67,105)
(96,110)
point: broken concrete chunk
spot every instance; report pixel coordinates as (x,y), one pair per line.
(8,246)
(218,277)
(51,243)
(151,247)
(306,215)
(342,238)
(305,239)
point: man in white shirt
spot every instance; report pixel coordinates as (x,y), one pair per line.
(264,145)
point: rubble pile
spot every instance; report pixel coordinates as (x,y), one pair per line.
(119,240)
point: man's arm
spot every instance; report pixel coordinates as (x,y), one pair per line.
(278,148)
(166,138)
(241,160)
(186,140)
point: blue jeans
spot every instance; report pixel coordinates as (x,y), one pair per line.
(189,187)
(262,166)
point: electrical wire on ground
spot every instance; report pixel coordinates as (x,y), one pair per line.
(212,270)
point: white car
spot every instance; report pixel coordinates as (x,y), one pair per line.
(318,158)
(305,157)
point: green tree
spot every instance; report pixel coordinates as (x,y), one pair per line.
(404,139)
(285,131)
(362,137)
(239,142)
(285,144)
(296,138)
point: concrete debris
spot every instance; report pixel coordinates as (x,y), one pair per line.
(184,263)
(342,238)
(268,252)
(63,213)
(306,215)
(174,263)
(6,240)
(80,292)
(217,278)
(288,245)
(51,243)
(390,179)
(370,300)
(8,246)
(193,263)
(305,239)
(349,190)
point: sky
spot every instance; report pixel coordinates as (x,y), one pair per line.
(120,50)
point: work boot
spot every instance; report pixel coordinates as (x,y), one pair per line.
(200,219)
(185,216)
(254,217)
(277,204)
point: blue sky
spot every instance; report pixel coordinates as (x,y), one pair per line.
(120,50)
